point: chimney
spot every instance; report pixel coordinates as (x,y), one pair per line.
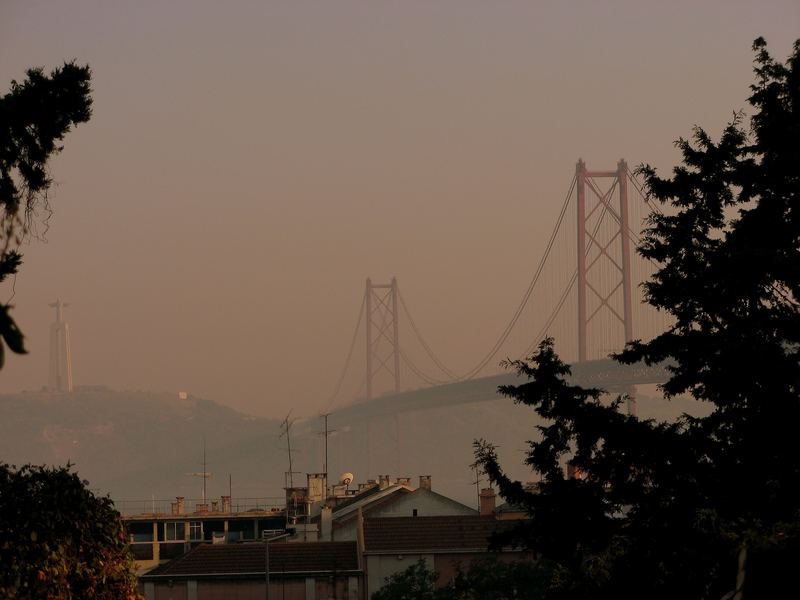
(384,481)
(316,486)
(487,497)
(425,482)
(404,481)
(179,505)
(326,524)
(214,506)
(226,504)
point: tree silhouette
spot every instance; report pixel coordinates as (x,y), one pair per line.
(666,509)
(35,115)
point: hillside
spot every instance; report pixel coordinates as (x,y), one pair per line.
(144,445)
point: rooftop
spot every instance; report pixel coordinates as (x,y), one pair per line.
(393,534)
(248,559)
(369,497)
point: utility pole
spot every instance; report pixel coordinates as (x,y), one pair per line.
(267,540)
(325,470)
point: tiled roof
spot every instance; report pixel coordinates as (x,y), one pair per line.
(394,534)
(248,559)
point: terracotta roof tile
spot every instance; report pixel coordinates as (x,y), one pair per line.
(248,558)
(392,534)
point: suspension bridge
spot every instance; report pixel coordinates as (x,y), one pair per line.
(585,291)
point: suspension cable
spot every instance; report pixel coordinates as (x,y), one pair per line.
(565,294)
(562,300)
(338,387)
(419,373)
(422,341)
(503,336)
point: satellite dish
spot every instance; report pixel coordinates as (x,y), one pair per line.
(346,478)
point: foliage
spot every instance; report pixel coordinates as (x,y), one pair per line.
(35,115)
(59,540)
(485,579)
(495,579)
(417,582)
(664,509)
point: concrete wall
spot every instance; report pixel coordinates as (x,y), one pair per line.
(426,503)
(379,567)
(447,565)
(250,590)
(178,591)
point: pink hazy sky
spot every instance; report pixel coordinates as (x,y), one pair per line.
(249,164)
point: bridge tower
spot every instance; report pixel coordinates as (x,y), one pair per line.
(383,346)
(383,353)
(60,379)
(594,252)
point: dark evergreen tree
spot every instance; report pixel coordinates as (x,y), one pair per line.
(35,115)
(665,510)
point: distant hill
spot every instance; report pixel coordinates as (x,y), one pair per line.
(131,444)
(144,445)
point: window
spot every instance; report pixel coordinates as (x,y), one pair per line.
(196,530)
(174,531)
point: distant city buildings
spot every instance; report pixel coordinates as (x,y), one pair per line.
(327,541)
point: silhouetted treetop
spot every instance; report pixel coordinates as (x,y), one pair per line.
(35,115)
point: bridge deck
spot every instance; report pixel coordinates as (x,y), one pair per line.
(605,374)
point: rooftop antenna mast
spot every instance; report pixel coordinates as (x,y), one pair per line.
(286,426)
(327,433)
(204,473)
(477,484)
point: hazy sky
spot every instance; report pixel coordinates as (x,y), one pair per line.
(249,164)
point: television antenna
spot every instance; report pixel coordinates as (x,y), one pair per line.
(204,474)
(286,427)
